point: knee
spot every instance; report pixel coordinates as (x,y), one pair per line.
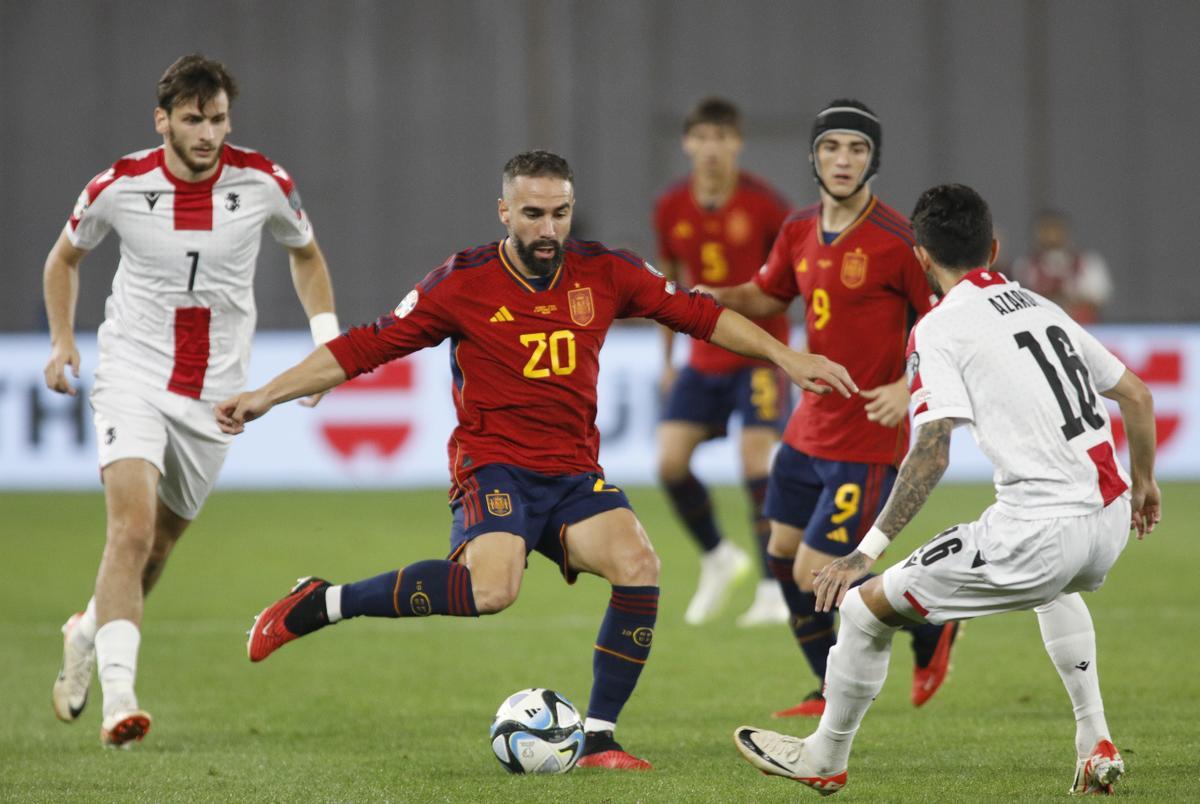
(130,536)
(779,546)
(672,468)
(495,595)
(637,568)
(803,577)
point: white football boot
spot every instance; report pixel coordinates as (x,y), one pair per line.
(1096,774)
(720,569)
(778,754)
(768,608)
(75,677)
(126,725)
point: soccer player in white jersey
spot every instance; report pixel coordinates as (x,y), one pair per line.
(176,338)
(1024,378)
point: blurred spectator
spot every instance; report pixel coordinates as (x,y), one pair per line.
(1076,280)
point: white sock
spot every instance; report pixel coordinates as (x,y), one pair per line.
(595,724)
(116,657)
(857,668)
(333,603)
(1070,640)
(84,634)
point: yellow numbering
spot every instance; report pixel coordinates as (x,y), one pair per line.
(847,499)
(553,343)
(713,265)
(600,485)
(820,306)
(764,393)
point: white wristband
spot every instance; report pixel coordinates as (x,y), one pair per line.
(874,543)
(324,327)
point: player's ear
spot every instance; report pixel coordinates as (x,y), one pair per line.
(922,256)
(995,252)
(502,211)
(161,120)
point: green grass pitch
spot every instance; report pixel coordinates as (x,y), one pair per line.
(381,710)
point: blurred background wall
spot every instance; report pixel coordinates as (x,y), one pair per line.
(396,117)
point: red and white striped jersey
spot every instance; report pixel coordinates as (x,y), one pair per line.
(1026,379)
(181,314)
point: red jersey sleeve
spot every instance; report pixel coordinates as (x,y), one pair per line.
(418,321)
(913,285)
(645,293)
(777,278)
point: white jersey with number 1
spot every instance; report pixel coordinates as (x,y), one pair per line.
(1026,378)
(181,314)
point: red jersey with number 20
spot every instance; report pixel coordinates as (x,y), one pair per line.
(721,247)
(525,360)
(858,291)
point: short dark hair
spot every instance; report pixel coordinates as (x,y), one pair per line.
(535,164)
(714,110)
(953,223)
(194,77)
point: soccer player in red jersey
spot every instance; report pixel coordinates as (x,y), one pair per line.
(850,258)
(526,318)
(716,227)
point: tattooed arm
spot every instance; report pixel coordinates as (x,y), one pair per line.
(923,467)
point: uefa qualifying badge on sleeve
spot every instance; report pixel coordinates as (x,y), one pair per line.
(406,304)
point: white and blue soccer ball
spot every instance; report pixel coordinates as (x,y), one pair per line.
(537,731)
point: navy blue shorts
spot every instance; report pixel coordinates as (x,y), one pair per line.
(761,396)
(834,502)
(536,507)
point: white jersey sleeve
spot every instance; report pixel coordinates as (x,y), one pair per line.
(936,382)
(91,219)
(1105,367)
(286,219)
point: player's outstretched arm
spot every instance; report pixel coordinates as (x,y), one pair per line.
(60,290)
(747,298)
(923,467)
(1137,410)
(310,277)
(316,373)
(811,372)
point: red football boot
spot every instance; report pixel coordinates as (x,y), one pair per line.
(300,613)
(600,750)
(813,705)
(927,679)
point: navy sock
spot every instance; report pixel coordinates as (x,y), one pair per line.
(418,590)
(693,505)
(813,630)
(757,489)
(622,647)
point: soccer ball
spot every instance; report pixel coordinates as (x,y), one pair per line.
(537,731)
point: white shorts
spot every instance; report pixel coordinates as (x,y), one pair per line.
(1000,564)
(177,434)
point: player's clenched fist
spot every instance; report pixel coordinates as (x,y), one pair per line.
(56,375)
(233,413)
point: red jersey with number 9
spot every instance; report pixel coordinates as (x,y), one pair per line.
(858,291)
(525,355)
(721,247)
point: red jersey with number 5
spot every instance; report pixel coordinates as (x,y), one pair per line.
(858,291)
(721,247)
(525,355)
(181,314)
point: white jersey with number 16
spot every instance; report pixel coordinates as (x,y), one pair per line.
(1026,379)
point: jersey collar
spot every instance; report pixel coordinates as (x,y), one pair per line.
(183,186)
(842,235)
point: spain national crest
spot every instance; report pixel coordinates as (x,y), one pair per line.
(499,504)
(854,268)
(582,308)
